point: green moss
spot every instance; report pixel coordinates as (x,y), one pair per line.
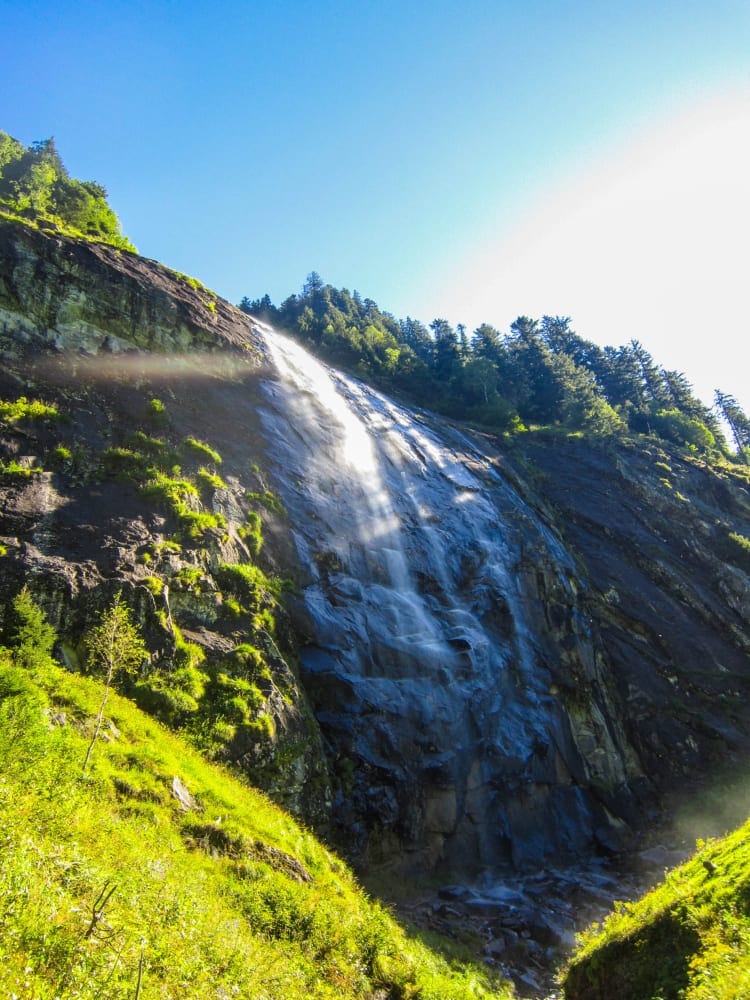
(231,606)
(60,457)
(155,448)
(154,585)
(249,584)
(189,578)
(169,546)
(125,464)
(251,534)
(195,524)
(167,490)
(157,412)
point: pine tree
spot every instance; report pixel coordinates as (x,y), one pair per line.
(113,646)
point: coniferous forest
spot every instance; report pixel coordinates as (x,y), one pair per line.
(540,373)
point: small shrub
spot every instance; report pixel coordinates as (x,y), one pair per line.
(125,464)
(13,470)
(113,646)
(157,412)
(268,498)
(209,481)
(201,450)
(29,632)
(250,533)
(673,425)
(25,409)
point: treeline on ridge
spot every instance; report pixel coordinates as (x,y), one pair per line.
(36,187)
(539,373)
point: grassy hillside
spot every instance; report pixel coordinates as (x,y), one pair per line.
(111,886)
(688,939)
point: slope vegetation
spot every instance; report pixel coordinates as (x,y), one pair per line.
(155,874)
(689,938)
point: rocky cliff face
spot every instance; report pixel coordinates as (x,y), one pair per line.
(657,531)
(512,653)
(138,362)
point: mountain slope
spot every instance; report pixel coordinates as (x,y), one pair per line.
(689,938)
(158,875)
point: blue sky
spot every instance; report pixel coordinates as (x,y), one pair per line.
(474,160)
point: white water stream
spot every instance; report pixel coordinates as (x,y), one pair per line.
(421,656)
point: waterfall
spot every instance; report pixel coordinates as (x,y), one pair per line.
(423,660)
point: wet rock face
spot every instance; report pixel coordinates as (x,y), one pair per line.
(669,601)
(452,658)
(505,675)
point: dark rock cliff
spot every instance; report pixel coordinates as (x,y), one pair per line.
(100,334)
(639,623)
(670,594)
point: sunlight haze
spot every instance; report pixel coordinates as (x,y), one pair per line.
(649,242)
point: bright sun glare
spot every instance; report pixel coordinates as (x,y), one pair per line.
(650,242)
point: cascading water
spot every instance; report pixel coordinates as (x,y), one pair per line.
(422,608)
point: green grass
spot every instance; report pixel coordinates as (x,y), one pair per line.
(268,499)
(110,888)
(25,409)
(201,450)
(209,481)
(687,939)
(13,470)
